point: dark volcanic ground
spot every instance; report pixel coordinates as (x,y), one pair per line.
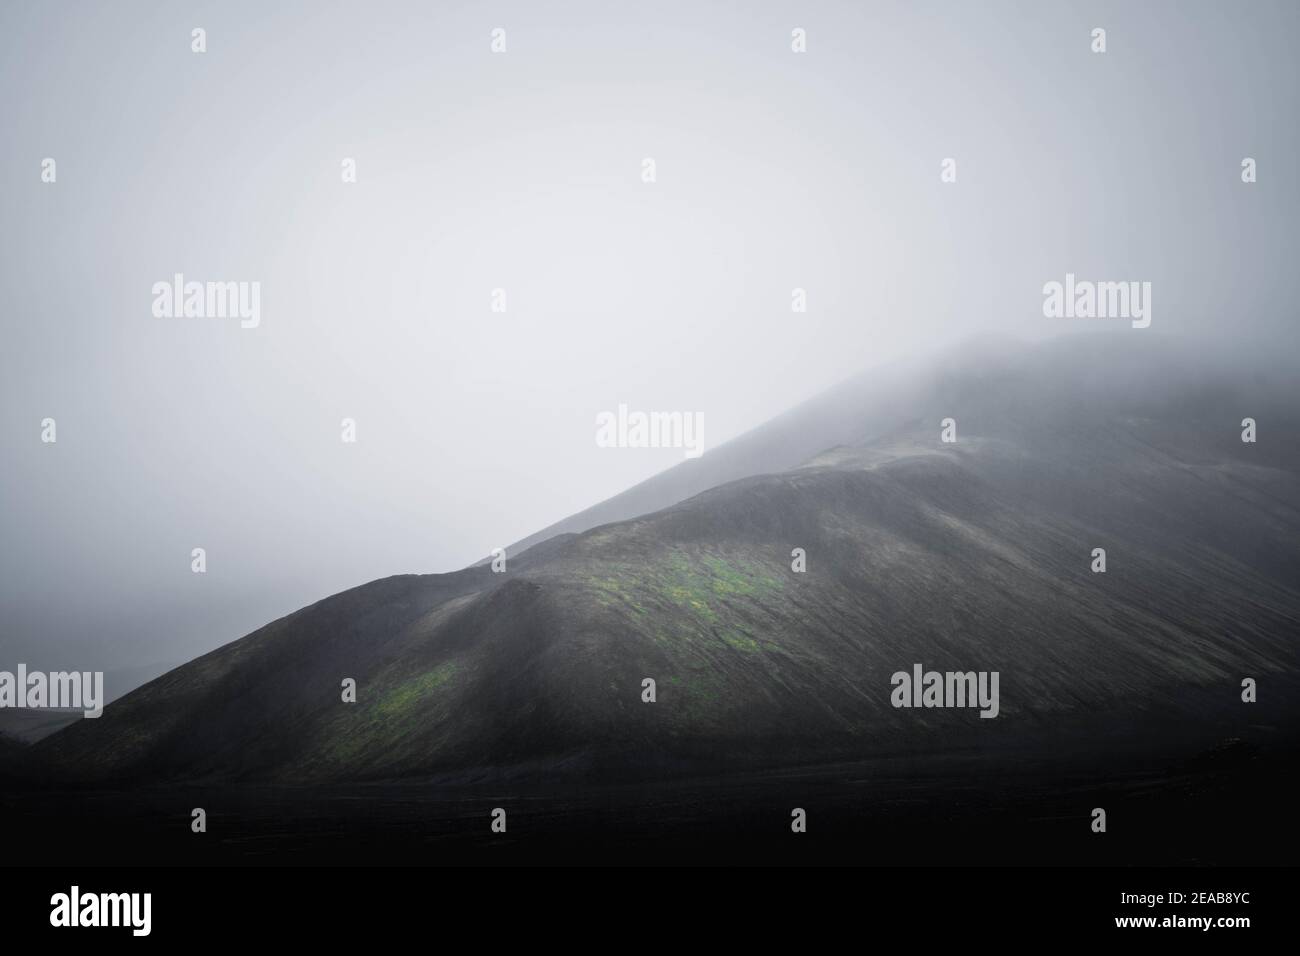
(1225,801)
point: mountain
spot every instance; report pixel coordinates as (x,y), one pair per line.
(967,556)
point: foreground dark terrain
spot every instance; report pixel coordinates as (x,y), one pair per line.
(1228,806)
(522,689)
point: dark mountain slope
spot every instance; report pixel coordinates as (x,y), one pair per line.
(966,556)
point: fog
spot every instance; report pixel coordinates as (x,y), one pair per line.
(523,171)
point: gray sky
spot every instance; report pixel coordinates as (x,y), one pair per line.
(522,171)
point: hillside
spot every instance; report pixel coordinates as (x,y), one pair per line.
(966,556)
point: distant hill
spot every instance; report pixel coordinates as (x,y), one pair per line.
(966,556)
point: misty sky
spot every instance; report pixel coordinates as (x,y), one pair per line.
(522,171)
